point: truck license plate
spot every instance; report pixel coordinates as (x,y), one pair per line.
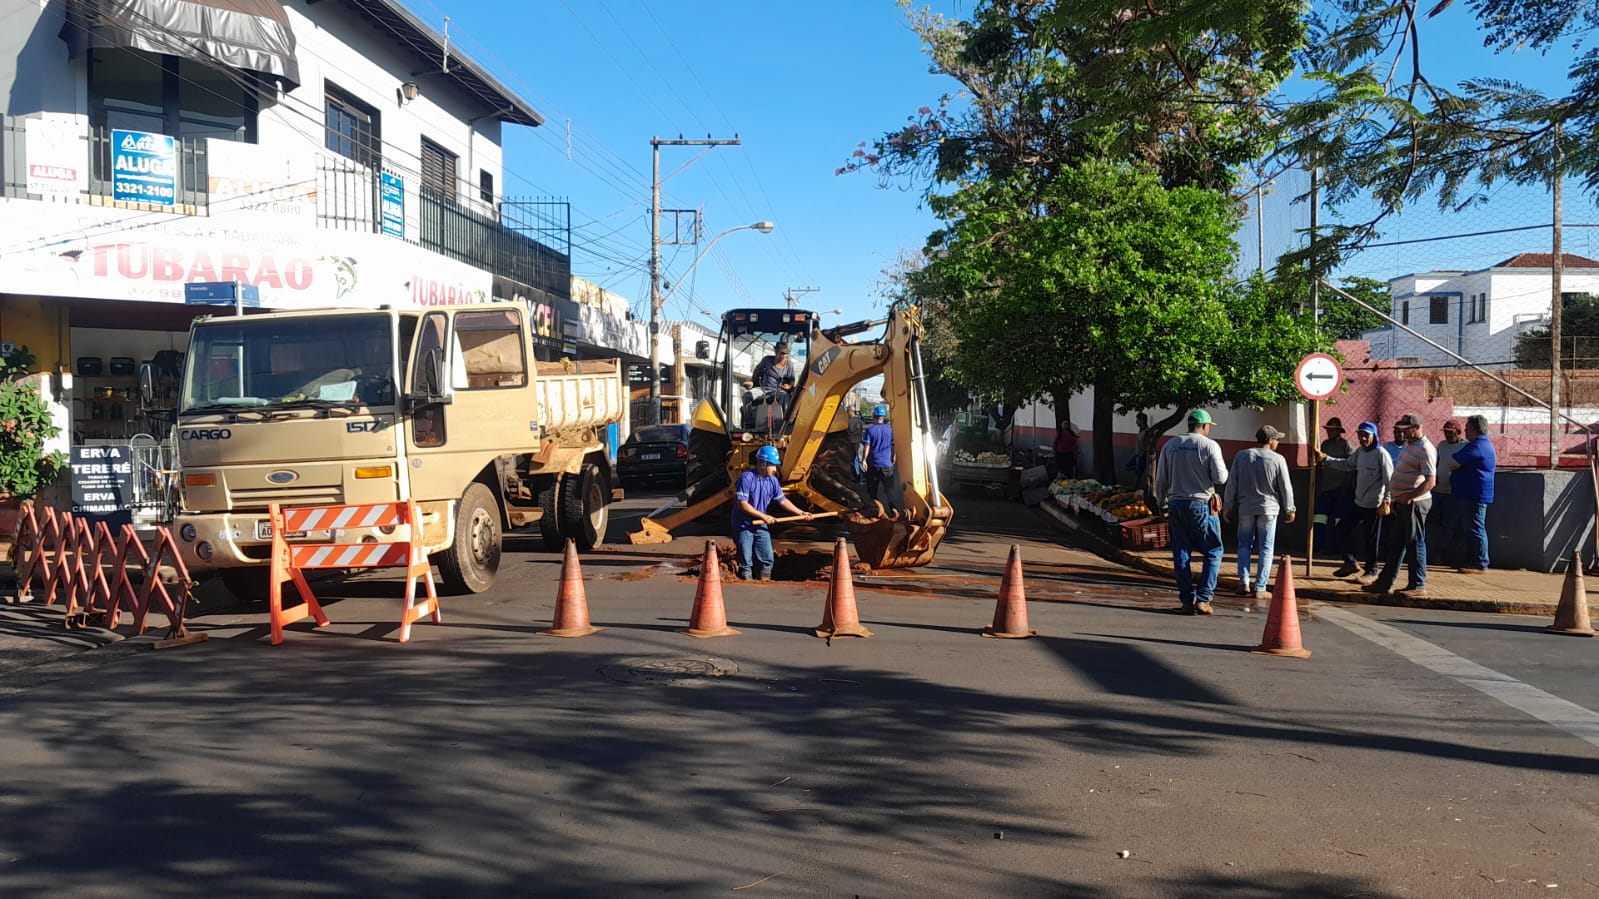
(651,457)
(263,531)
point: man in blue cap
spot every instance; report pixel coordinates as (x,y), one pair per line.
(877,454)
(1188,476)
(1373,468)
(756,490)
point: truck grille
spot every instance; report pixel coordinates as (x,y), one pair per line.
(244,500)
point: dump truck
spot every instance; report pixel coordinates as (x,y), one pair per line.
(446,406)
(805,417)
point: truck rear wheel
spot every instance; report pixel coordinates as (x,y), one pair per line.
(584,508)
(471,562)
(549,524)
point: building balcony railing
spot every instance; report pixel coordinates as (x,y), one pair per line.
(525,240)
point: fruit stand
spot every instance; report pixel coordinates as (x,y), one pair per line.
(1124,516)
(983,470)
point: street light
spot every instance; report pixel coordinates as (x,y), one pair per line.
(658,299)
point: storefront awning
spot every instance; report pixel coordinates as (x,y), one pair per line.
(252,35)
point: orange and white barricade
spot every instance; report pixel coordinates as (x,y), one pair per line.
(290,561)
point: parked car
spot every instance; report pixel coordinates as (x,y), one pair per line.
(654,453)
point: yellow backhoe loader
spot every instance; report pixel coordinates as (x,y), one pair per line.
(795,401)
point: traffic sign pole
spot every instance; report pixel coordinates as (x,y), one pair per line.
(1318,377)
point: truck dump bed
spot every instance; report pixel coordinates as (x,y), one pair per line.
(582,394)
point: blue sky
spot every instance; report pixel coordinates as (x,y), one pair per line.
(801,85)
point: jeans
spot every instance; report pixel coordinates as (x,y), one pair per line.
(1195,530)
(1473,518)
(1366,525)
(1256,535)
(756,542)
(1407,541)
(880,486)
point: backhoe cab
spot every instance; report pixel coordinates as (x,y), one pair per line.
(782,381)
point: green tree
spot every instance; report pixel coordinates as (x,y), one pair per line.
(1179,85)
(1579,337)
(1383,132)
(1101,277)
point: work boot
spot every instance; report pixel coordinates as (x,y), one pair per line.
(1347,569)
(1203,608)
(1373,587)
(1263,595)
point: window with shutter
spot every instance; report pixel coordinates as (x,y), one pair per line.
(438,170)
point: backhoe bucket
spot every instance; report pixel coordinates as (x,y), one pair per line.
(890,542)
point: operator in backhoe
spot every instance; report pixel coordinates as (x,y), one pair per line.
(756,490)
(771,385)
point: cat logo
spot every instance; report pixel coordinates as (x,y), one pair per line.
(207,434)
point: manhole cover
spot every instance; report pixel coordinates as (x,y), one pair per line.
(688,671)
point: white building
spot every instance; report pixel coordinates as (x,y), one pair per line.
(1476,314)
(332,153)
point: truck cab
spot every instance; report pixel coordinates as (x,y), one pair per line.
(444,406)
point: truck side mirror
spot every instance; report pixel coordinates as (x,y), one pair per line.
(147,385)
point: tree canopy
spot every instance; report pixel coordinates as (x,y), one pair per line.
(1102,277)
(1579,337)
(1381,130)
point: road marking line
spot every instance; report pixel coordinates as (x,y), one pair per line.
(1567,716)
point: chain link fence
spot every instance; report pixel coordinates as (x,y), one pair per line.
(1467,301)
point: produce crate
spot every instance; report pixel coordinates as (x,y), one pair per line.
(1145,533)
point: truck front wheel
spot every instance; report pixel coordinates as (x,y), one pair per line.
(584,508)
(471,562)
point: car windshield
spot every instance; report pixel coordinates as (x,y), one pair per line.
(244,363)
(659,434)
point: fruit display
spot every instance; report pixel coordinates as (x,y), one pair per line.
(1075,487)
(1114,504)
(962,457)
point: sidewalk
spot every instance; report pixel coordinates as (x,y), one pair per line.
(1499,590)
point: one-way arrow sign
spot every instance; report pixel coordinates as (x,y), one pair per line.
(1318,376)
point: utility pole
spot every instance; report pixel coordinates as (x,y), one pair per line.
(1558,270)
(792,295)
(655,258)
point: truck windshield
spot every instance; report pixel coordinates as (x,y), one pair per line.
(320,361)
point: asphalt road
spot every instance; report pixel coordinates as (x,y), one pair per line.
(1126,751)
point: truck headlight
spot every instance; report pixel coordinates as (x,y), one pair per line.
(204,551)
(188,533)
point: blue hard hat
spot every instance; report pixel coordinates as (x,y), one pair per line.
(768,454)
(880,412)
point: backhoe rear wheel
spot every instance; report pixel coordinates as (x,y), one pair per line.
(584,508)
(470,564)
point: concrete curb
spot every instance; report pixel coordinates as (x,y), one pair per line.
(1107,550)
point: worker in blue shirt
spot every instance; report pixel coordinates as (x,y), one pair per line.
(877,454)
(756,490)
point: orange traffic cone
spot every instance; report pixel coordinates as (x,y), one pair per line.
(709,618)
(571,603)
(1010,613)
(840,618)
(1571,616)
(1282,622)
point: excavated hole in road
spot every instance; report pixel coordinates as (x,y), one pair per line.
(789,565)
